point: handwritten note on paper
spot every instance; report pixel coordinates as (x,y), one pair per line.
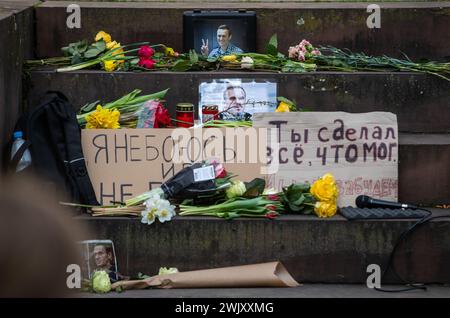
(360,150)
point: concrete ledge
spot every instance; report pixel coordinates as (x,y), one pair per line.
(406,27)
(420,101)
(313,250)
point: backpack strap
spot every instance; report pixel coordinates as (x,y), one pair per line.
(75,158)
(70,150)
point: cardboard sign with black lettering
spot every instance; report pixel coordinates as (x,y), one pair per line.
(123,163)
(360,150)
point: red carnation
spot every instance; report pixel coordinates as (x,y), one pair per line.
(162,118)
(146,52)
(147,63)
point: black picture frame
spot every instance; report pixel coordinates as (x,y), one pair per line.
(199,24)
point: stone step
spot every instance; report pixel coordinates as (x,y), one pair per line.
(408,27)
(304,291)
(313,250)
(420,101)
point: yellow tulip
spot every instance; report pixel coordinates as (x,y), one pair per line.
(283,107)
(102,35)
(229,58)
(168,51)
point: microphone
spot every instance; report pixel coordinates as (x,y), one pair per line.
(364,201)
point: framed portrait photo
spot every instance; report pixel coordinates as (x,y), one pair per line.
(218,33)
(237,99)
(99,255)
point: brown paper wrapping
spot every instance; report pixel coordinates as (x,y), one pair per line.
(272,274)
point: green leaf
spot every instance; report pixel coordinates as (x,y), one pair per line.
(88,107)
(76,59)
(212,59)
(100,45)
(120,289)
(181,66)
(272,46)
(81,46)
(65,51)
(254,188)
(300,200)
(308,210)
(91,53)
(301,187)
(285,100)
(193,57)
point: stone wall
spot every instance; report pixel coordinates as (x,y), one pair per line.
(17,44)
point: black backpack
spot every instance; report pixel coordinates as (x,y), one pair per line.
(53,137)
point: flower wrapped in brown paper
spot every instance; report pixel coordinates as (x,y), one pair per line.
(272,274)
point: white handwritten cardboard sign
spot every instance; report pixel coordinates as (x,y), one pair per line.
(123,163)
(360,150)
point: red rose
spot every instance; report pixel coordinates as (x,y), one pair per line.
(146,52)
(147,63)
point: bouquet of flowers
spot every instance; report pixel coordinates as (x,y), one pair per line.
(248,200)
(124,111)
(202,182)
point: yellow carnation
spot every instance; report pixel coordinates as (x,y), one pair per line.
(229,58)
(112,45)
(109,66)
(103,118)
(325,189)
(283,107)
(118,52)
(325,209)
(103,36)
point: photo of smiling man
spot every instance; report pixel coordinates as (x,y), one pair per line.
(225,46)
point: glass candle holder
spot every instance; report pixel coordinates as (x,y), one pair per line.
(185,114)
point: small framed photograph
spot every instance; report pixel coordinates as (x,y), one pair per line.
(99,255)
(218,33)
(236,99)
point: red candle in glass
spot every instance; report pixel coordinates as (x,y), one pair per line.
(185,113)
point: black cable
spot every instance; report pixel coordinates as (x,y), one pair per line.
(413,286)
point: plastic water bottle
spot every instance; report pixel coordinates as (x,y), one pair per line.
(25,161)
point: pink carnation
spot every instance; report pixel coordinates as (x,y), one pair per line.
(304,43)
(301,56)
(293,52)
